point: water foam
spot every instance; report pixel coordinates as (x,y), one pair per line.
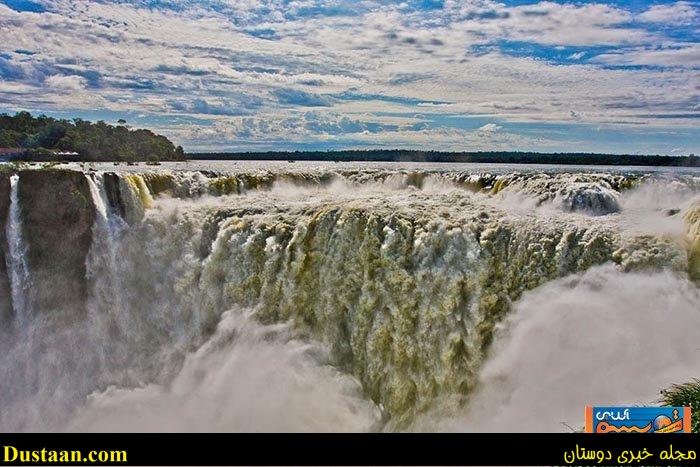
(246,377)
(599,338)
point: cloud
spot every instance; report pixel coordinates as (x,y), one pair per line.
(337,131)
(66,83)
(405,78)
(490,128)
(301,98)
(245,105)
(10,70)
(572,25)
(335,70)
(684,56)
(675,13)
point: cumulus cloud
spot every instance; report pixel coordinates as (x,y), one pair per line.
(490,128)
(344,132)
(569,24)
(675,13)
(67,83)
(367,69)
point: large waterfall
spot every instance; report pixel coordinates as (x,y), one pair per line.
(339,298)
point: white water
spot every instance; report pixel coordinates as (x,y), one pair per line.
(108,221)
(246,377)
(102,260)
(16,260)
(382,279)
(600,338)
(99,198)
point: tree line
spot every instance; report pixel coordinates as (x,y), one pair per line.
(39,138)
(508,157)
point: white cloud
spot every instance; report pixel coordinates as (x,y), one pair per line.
(560,24)
(264,132)
(394,60)
(676,13)
(490,128)
(566,24)
(686,56)
(66,83)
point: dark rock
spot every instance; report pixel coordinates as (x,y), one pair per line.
(114,195)
(5,290)
(58,215)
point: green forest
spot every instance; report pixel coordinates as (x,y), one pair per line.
(501,157)
(40,137)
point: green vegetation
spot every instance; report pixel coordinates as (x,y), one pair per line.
(41,137)
(506,157)
(686,395)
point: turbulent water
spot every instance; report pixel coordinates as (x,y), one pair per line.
(618,337)
(334,297)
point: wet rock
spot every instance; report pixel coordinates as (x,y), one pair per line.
(5,291)
(58,215)
(114,195)
(122,198)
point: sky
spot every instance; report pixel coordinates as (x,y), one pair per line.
(469,75)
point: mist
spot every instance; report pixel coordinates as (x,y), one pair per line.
(599,338)
(247,377)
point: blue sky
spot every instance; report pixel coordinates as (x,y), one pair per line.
(617,76)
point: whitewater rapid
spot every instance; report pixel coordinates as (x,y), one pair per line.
(350,300)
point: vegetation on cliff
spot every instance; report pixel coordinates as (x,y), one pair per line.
(41,137)
(685,395)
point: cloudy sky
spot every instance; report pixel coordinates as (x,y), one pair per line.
(620,76)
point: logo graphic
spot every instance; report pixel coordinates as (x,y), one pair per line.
(637,419)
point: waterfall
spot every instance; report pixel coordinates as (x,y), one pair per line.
(17,266)
(98,198)
(107,219)
(394,289)
(138,185)
(105,303)
(570,342)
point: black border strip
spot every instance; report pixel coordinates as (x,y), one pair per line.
(362,449)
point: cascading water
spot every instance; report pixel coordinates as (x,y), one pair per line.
(16,259)
(246,377)
(100,199)
(106,312)
(107,229)
(395,282)
(577,341)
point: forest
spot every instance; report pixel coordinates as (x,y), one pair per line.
(45,138)
(505,157)
(42,138)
